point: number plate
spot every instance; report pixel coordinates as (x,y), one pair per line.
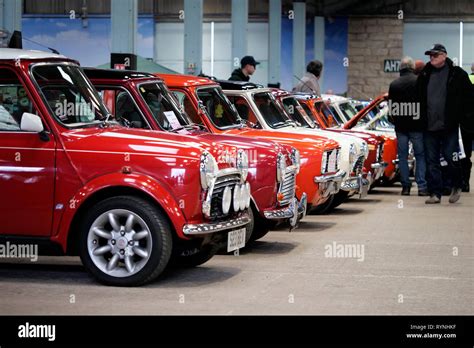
(236,239)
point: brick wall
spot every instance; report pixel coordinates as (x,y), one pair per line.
(370,41)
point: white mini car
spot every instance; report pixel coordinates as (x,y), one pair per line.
(268,113)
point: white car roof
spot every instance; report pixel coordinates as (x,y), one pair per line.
(333,97)
(15,53)
(248,91)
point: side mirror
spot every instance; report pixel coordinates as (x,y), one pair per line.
(31,123)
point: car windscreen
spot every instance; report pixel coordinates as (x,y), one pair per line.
(339,118)
(330,120)
(71,98)
(273,114)
(348,110)
(163,106)
(297,112)
(218,107)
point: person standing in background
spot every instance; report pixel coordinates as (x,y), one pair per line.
(445,95)
(408,127)
(248,65)
(419,65)
(309,83)
(467,138)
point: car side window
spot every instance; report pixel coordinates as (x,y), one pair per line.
(188,106)
(245,112)
(120,103)
(14,101)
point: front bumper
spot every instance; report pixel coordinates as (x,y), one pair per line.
(379,169)
(214,227)
(295,211)
(359,184)
(330,184)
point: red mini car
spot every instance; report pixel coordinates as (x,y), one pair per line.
(317,109)
(205,102)
(145,101)
(124,199)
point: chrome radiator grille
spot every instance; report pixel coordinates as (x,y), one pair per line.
(287,187)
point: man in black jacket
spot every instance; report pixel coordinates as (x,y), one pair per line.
(445,99)
(404,112)
(248,65)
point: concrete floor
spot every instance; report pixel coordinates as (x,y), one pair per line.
(408,268)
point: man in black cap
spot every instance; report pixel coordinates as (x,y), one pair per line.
(247,67)
(445,96)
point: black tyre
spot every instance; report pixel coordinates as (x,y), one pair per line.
(193,256)
(340,198)
(261,226)
(324,208)
(125,241)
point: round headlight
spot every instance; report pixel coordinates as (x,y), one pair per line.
(249,195)
(296,159)
(243,163)
(226,200)
(281,167)
(208,169)
(236,198)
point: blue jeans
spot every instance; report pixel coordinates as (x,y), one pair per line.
(416,139)
(447,144)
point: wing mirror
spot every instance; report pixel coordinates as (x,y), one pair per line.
(33,123)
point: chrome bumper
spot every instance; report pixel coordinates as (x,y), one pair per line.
(330,184)
(295,211)
(411,163)
(213,227)
(358,184)
(379,169)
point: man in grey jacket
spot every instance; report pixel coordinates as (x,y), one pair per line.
(309,83)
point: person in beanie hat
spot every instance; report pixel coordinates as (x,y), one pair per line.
(408,126)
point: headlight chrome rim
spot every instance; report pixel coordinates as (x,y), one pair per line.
(352,154)
(208,169)
(281,167)
(243,163)
(296,159)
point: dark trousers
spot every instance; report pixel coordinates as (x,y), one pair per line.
(466,163)
(447,144)
(416,139)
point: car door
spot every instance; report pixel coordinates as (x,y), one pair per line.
(27,165)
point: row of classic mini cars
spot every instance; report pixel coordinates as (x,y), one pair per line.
(135,172)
